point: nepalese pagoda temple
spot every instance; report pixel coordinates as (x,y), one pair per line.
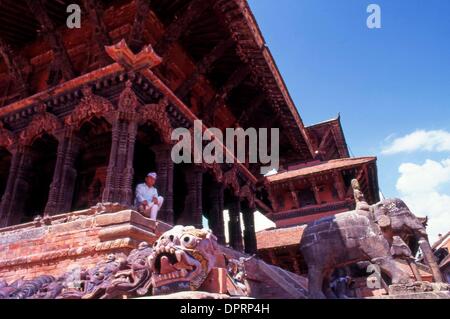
(86,113)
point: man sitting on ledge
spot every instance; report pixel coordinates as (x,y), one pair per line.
(147,200)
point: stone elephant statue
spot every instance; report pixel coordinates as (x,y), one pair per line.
(361,235)
(395,219)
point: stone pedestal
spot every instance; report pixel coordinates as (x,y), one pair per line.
(419,295)
(419,287)
(59,243)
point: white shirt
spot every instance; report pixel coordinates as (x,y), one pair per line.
(143,192)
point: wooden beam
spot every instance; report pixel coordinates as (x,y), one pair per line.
(17,66)
(204,66)
(368,188)
(185,111)
(180,25)
(136,38)
(254,105)
(95,12)
(233,81)
(324,143)
(61,66)
(340,138)
(63,88)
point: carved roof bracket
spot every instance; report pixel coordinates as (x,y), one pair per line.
(90,106)
(157,115)
(7,138)
(230,178)
(248,193)
(121,53)
(43,122)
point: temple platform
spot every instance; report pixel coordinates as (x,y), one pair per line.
(420,295)
(57,244)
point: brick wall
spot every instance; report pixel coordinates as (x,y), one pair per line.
(60,243)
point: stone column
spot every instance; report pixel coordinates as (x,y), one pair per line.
(120,168)
(215,196)
(234,225)
(164,183)
(13,201)
(248,216)
(193,207)
(64,177)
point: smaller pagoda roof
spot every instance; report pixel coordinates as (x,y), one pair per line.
(445,262)
(322,167)
(441,241)
(279,237)
(326,122)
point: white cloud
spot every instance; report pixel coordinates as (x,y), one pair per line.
(419,186)
(423,178)
(420,140)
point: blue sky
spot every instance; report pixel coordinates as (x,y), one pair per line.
(386,83)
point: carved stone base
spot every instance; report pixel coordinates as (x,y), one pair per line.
(190,295)
(420,295)
(53,245)
(419,287)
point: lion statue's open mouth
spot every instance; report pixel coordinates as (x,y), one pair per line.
(182,259)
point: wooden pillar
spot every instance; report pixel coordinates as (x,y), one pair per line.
(339,184)
(109,193)
(164,182)
(295,263)
(273,200)
(294,196)
(234,224)
(193,207)
(315,189)
(215,195)
(273,258)
(13,201)
(64,177)
(120,168)
(249,231)
(126,182)
(120,171)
